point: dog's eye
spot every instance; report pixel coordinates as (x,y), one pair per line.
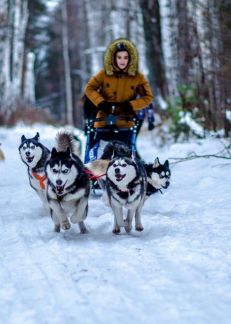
(114,165)
(65,171)
(32,147)
(124,165)
(55,171)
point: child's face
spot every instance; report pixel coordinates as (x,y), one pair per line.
(122,59)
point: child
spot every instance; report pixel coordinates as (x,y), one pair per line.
(117,91)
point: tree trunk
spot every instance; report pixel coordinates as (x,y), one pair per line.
(29,82)
(13,52)
(169,34)
(67,72)
(151,18)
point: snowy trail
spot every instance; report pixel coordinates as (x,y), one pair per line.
(177,271)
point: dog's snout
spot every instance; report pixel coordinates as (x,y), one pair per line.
(27,153)
(58,182)
(167,183)
(117,170)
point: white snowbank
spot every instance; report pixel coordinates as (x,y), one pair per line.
(176,271)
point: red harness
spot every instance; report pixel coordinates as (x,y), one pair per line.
(92,176)
(40,179)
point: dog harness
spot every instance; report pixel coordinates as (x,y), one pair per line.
(91,175)
(40,179)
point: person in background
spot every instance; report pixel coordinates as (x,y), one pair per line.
(117,92)
(148,112)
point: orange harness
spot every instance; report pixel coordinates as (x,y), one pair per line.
(41,179)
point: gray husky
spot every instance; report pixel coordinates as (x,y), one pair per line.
(34,154)
(158,176)
(126,187)
(68,186)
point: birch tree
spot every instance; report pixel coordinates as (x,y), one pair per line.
(16,16)
(29,80)
(4,26)
(66,59)
(168,32)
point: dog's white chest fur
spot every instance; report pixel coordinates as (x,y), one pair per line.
(130,201)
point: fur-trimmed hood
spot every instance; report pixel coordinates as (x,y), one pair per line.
(109,64)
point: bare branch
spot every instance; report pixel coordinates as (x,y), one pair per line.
(196,156)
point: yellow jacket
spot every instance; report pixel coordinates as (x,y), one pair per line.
(110,84)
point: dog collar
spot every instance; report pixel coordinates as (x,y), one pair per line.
(40,179)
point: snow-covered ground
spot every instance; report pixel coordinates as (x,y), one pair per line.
(178,270)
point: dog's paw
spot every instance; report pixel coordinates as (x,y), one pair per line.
(128,228)
(82,227)
(139,228)
(116,230)
(74,219)
(57,228)
(66,225)
(84,231)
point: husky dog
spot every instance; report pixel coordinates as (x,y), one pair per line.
(68,185)
(126,187)
(34,155)
(111,150)
(114,149)
(158,176)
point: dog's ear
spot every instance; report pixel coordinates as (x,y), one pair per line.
(36,138)
(23,138)
(156,163)
(166,164)
(53,152)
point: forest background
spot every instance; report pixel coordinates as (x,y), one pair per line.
(49,49)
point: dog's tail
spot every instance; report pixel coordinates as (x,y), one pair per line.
(98,167)
(65,140)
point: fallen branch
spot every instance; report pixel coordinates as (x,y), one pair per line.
(195,156)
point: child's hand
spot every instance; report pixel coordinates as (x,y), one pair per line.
(105,106)
(126,106)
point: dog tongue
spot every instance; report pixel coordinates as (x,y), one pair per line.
(119,177)
(59,190)
(30,159)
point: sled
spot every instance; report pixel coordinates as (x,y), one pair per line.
(94,148)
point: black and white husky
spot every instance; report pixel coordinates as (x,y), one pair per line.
(34,154)
(158,176)
(126,188)
(68,185)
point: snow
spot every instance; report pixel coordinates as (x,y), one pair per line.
(176,271)
(186,117)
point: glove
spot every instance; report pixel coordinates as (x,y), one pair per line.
(105,106)
(126,106)
(151,126)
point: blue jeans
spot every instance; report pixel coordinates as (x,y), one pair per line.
(104,135)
